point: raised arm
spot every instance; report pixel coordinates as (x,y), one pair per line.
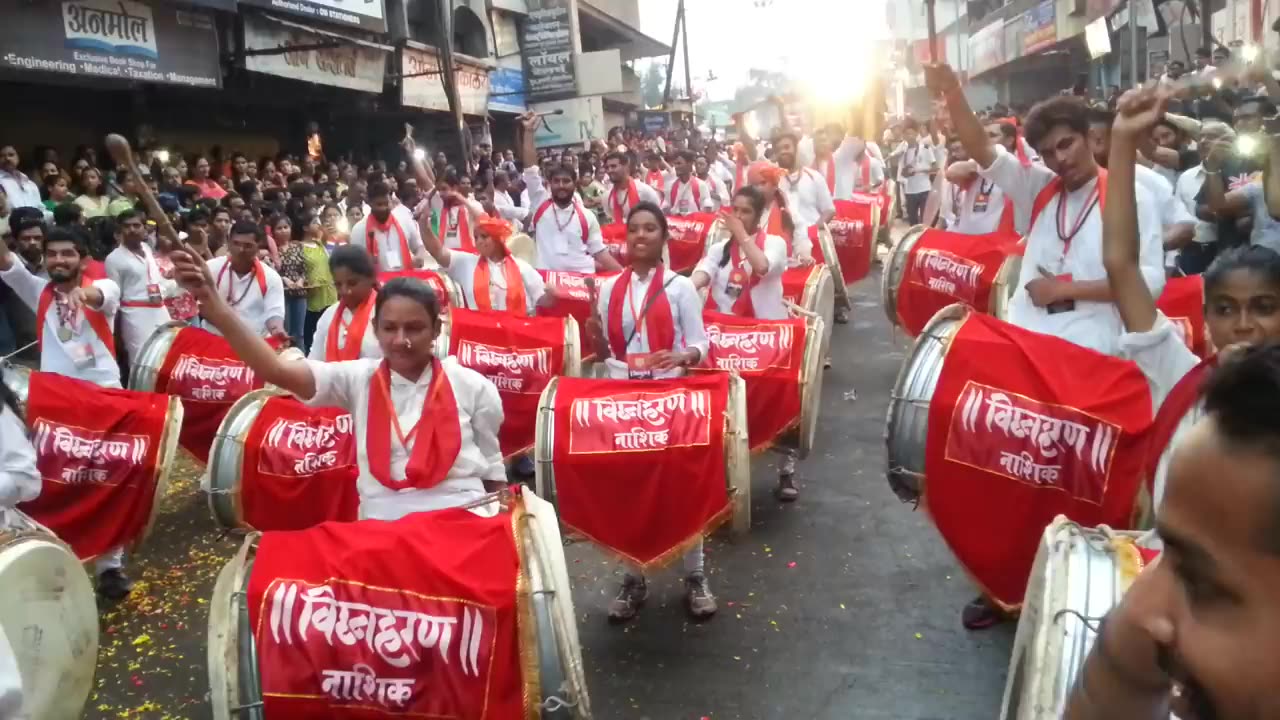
(432,243)
(943,81)
(1220,201)
(123,155)
(421,170)
(1138,110)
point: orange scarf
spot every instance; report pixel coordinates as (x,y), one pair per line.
(465,242)
(515,287)
(350,350)
(371,242)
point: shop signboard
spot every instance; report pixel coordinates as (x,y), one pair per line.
(506,90)
(986,47)
(367,15)
(581,121)
(128,40)
(351,64)
(547,40)
(423,85)
(1039,27)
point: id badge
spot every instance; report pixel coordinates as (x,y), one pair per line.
(736,283)
(394,263)
(1064,305)
(153,294)
(81,355)
(980,203)
(640,366)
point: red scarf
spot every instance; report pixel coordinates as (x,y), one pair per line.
(654,180)
(95,318)
(371,242)
(350,350)
(515,287)
(659,326)
(830,173)
(434,441)
(466,242)
(744,306)
(675,194)
(1055,187)
(776,225)
(1181,399)
(633,198)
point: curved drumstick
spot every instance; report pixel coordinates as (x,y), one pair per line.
(120,151)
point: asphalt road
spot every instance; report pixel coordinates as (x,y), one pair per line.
(842,606)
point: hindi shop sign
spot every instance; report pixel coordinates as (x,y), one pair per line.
(364,14)
(1039,27)
(506,90)
(423,85)
(352,65)
(547,39)
(986,47)
(582,121)
(123,39)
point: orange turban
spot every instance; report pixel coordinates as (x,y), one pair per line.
(496,228)
(764,171)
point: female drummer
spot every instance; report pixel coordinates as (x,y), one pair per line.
(426,429)
(744,274)
(345,330)
(652,327)
(506,283)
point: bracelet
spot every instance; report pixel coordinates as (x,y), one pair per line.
(1207,171)
(1119,670)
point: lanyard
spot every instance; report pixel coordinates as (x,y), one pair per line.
(1089,203)
(636,326)
(231,284)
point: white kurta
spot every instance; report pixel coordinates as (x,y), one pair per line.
(1094,325)
(766,296)
(19,478)
(369,347)
(135,275)
(557,234)
(681,199)
(808,199)
(972,210)
(347,385)
(56,356)
(254,307)
(917,160)
(462,270)
(686,315)
(644,193)
(388,243)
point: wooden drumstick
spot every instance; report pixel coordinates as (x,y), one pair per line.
(120,151)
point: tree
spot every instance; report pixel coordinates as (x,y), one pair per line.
(654,82)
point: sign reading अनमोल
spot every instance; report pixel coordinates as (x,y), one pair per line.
(506,90)
(128,40)
(582,121)
(423,85)
(351,64)
(547,40)
(1039,27)
(367,15)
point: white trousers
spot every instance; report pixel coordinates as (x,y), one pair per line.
(693,562)
(110,560)
(787,461)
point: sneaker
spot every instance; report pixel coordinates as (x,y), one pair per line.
(841,316)
(114,585)
(787,491)
(631,597)
(980,614)
(698,598)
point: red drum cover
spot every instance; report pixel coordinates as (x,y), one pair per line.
(794,281)
(1183,302)
(519,356)
(98,469)
(769,355)
(431,277)
(944,268)
(640,464)
(418,617)
(203,370)
(615,240)
(299,467)
(853,236)
(577,305)
(688,241)
(1024,427)
(885,203)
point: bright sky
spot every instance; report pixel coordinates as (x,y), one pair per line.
(730,37)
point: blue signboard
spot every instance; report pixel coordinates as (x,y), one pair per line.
(506,90)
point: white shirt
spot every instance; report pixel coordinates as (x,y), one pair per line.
(1163,356)
(558,233)
(508,210)
(19,478)
(679,199)
(1186,190)
(10,681)
(21,190)
(1091,324)
(134,275)
(644,193)
(1172,211)
(719,193)
(342,205)
(808,198)
(56,356)
(369,347)
(766,296)
(451,223)
(347,385)
(848,167)
(919,157)
(980,206)
(686,315)
(388,243)
(256,308)
(462,269)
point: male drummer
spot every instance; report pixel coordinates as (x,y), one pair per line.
(626,191)
(687,194)
(808,198)
(74,318)
(253,289)
(133,267)
(970,204)
(1198,633)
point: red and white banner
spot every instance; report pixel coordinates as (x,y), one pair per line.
(299,467)
(437,282)
(203,370)
(688,241)
(639,464)
(342,632)
(769,355)
(794,282)
(519,356)
(1024,427)
(1183,302)
(945,268)
(574,301)
(853,236)
(98,467)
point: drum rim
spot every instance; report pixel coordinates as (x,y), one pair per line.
(831,259)
(737,454)
(152,350)
(544,432)
(262,394)
(166,458)
(1006,280)
(901,248)
(812,375)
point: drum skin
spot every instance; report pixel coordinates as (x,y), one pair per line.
(1077,570)
(907,420)
(895,266)
(18,378)
(226,459)
(737,452)
(43,586)
(832,260)
(143,371)
(522,247)
(811,377)
(819,298)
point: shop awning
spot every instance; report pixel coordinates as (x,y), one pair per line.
(607,32)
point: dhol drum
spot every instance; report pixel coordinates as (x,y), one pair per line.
(521,246)
(449,291)
(18,378)
(299,464)
(50,619)
(144,373)
(928,269)
(575,302)
(234,677)
(1080,574)
(736,457)
(812,289)
(825,252)
(688,241)
(853,231)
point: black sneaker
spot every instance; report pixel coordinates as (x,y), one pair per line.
(114,584)
(630,599)
(980,614)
